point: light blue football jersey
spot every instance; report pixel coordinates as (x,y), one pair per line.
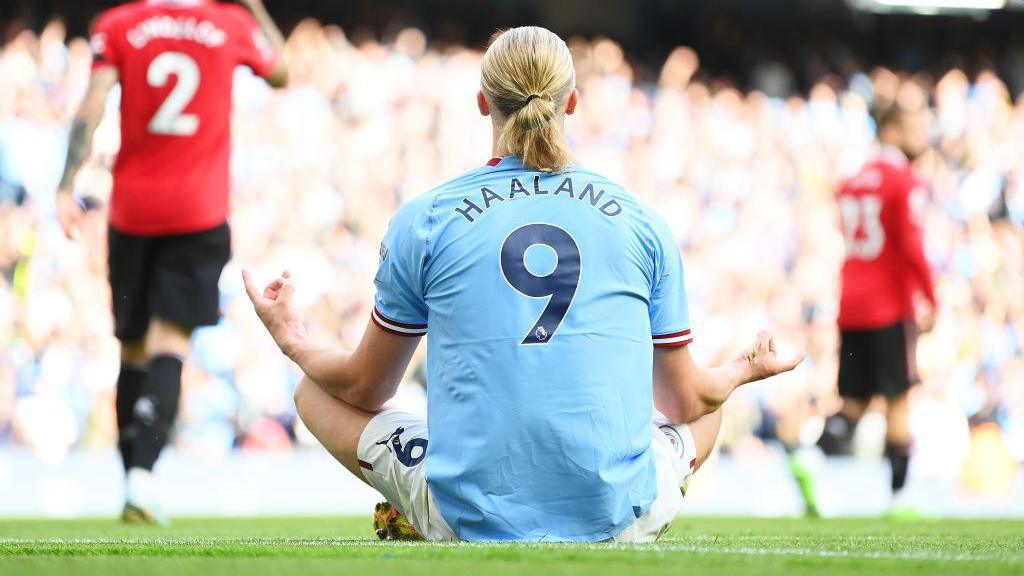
(544,295)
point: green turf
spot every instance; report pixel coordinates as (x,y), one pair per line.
(339,546)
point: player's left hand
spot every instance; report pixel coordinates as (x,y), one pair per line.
(70,214)
(276,309)
(762,360)
(926,319)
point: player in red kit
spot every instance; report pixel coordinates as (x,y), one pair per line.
(884,272)
(168,237)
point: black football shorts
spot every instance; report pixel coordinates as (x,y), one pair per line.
(172,277)
(878,361)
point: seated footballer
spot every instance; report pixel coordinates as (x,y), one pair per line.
(564,404)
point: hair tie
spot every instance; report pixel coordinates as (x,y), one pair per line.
(531,97)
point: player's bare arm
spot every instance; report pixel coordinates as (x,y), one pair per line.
(88,117)
(684,391)
(279,77)
(366,377)
(912,247)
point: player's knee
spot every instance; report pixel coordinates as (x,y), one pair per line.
(134,353)
(301,397)
(898,403)
(853,410)
(898,418)
(705,431)
(167,338)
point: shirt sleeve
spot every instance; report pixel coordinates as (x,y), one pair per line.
(254,50)
(399,306)
(668,310)
(911,200)
(103,43)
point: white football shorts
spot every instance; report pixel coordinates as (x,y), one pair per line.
(392,450)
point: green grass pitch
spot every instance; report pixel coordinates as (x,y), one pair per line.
(340,546)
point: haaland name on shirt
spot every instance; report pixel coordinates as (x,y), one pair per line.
(516,191)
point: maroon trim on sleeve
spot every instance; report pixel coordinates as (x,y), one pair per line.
(673,339)
(398,328)
(397,323)
(686,342)
(671,335)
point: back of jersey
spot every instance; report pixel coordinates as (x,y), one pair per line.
(541,293)
(175,60)
(884,255)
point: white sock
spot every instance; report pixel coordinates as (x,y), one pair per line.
(139,488)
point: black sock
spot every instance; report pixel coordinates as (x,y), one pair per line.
(129,381)
(899,460)
(837,437)
(155,410)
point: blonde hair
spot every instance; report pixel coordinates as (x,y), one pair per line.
(527,75)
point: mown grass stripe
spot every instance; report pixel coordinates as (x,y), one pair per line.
(256,547)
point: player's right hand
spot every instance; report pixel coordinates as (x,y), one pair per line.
(70,214)
(276,309)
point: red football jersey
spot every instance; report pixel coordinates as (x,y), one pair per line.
(885,262)
(175,60)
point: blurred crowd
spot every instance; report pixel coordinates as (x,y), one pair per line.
(746,180)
